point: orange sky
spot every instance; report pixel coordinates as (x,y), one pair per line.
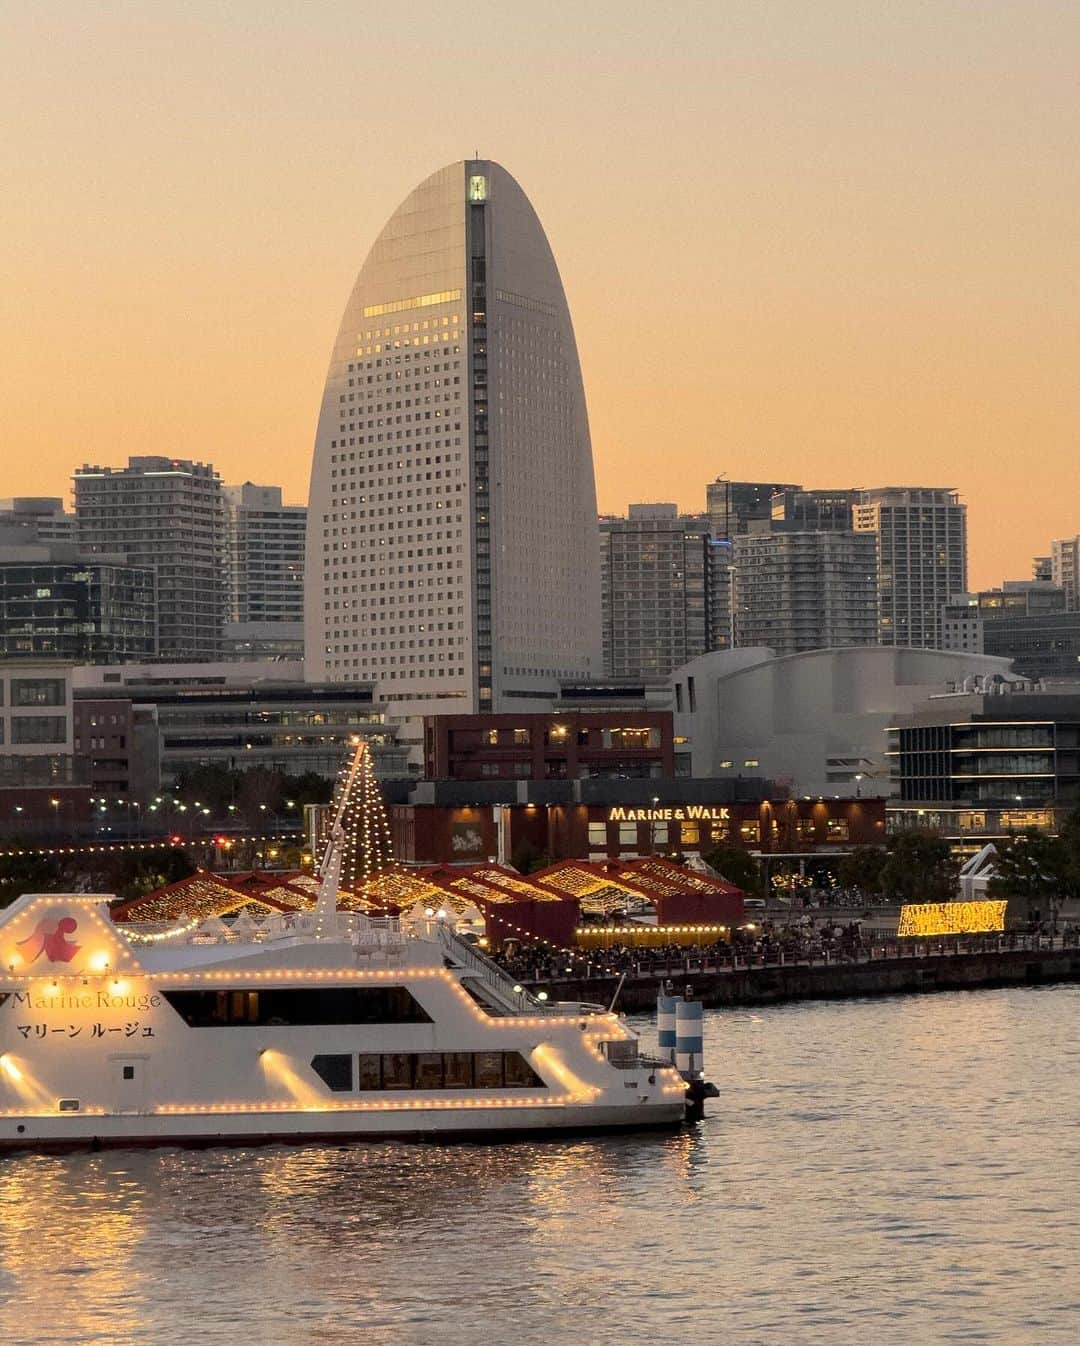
(834,243)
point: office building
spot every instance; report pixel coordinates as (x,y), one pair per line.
(57,602)
(1024,620)
(922,558)
(984,763)
(452,549)
(799,590)
(560,746)
(658,590)
(42,517)
(734,506)
(234,716)
(166,514)
(813,511)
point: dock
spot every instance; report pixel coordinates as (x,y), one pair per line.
(883,969)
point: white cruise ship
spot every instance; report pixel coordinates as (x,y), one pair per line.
(323,1024)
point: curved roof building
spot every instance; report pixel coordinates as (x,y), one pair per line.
(453,555)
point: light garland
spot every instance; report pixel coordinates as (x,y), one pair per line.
(170,843)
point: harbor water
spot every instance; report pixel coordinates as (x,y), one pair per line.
(901,1170)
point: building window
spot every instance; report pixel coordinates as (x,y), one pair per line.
(37,691)
(750,832)
(598,834)
(689,834)
(38,729)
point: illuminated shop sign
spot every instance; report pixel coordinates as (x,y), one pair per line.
(683,813)
(952,918)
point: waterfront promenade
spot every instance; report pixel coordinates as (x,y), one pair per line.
(722,977)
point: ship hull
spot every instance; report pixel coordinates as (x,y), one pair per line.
(148,1131)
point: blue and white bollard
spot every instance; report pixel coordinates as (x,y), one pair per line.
(665,1026)
(689,1038)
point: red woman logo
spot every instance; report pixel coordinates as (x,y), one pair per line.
(51,939)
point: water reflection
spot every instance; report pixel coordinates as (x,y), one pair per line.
(901,1169)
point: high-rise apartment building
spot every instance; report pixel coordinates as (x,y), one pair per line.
(658,587)
(922,558)
(265,555)
(166,514)
(1065,569)
(735,506)
(797,591)
(452,548)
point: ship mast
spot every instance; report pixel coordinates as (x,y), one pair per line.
(330,869)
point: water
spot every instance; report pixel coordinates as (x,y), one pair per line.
(901,1170)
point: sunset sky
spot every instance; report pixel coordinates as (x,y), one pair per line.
(834,241)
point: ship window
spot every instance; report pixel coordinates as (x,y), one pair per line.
(448,1070)
(369,1071)
(279,1006)
(397,1070)
(128,1072)
(67,1105)
(336,1072)
(489,1070)
(429,1070)
(519,1074)
(457,1070)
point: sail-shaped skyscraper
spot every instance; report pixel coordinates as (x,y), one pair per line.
(453,553)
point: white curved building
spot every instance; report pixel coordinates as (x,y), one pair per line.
(452,549)
(816,721)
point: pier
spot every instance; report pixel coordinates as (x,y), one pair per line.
(883,969)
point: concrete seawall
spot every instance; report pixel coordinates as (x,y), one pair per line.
(774,984)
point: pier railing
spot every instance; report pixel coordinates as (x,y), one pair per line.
(736,960)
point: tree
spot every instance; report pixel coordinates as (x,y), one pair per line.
(212,786)
(737,866)
(309,788)
(862,868)
(26,872)
(527,859)
(920,868)
(132,873)
(1036,868)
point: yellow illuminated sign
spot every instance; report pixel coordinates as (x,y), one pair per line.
(952,918)
(684,813)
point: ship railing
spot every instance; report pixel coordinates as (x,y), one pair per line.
(498,981)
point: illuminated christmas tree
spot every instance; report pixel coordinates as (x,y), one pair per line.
(360,846)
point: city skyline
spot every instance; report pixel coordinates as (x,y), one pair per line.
(854,224)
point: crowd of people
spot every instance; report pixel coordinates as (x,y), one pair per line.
(761,942)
